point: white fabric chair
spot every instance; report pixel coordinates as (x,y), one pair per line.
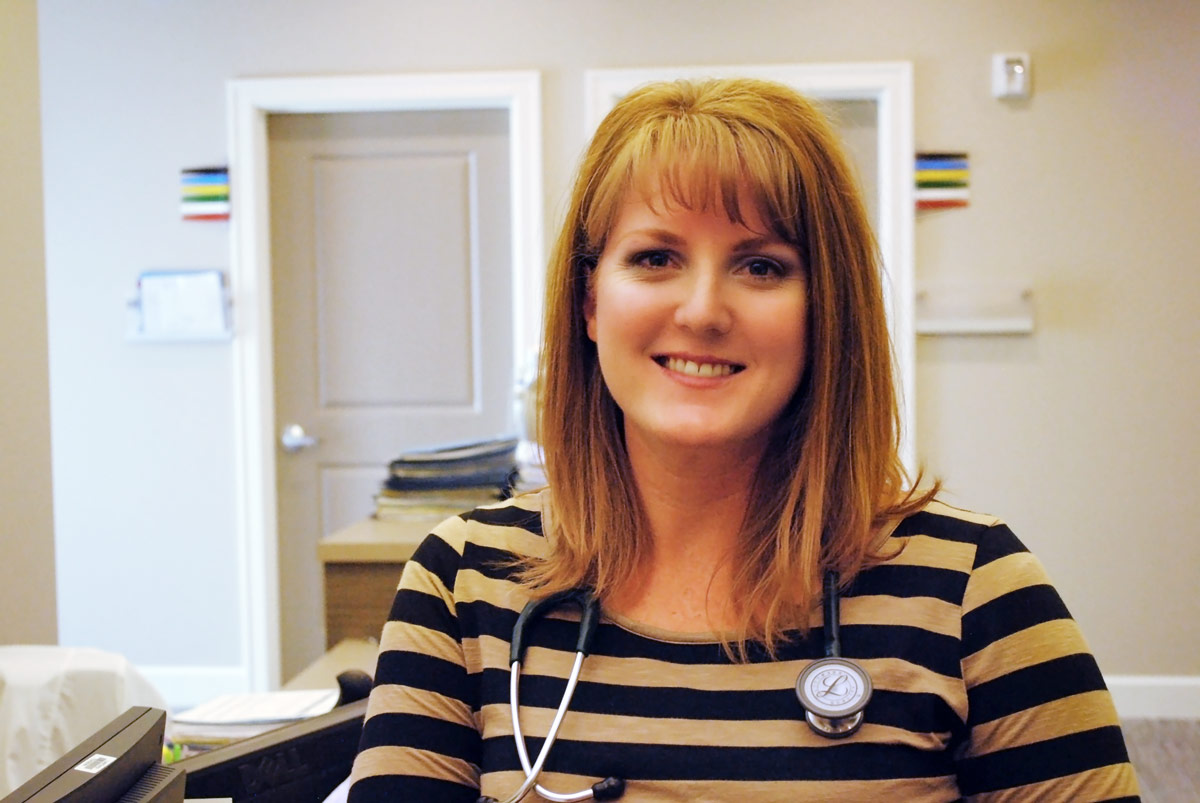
(52,698)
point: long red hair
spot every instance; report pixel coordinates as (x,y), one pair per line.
(832,478)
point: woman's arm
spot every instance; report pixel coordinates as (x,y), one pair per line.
(1041,723)
(420,740)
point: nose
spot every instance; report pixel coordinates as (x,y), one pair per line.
(703,307)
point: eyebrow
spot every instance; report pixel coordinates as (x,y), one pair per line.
(749,244)
(758,243)
(668,237)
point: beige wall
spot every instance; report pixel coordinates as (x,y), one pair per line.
(27,606)
(1083,435)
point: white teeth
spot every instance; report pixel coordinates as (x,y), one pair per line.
(693,369)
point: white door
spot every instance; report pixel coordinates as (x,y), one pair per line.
(391,301)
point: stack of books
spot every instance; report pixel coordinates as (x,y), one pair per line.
(438,483)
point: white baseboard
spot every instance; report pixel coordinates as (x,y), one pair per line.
(1155,696)
(185,686)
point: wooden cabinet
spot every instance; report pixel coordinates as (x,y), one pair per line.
(361,566)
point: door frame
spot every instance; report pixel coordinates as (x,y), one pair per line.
(890,85)
(248,103)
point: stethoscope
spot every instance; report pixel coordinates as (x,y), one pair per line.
(833,690)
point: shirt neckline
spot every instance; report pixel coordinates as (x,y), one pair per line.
(665,634)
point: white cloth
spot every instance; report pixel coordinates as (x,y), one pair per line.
(52,698)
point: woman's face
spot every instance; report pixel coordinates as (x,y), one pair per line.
(699,323)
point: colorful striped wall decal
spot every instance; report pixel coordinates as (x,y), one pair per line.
(204,193)
(942,180)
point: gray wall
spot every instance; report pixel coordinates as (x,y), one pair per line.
(1083,435)
(27,604)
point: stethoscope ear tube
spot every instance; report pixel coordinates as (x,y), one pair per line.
(607,789)
(588,622)
(581,597)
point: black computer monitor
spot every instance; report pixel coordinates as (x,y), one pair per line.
(298,763)
(121,761)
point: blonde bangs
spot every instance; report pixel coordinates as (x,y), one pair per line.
(699,161)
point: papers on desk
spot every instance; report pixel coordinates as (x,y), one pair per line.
(231,717)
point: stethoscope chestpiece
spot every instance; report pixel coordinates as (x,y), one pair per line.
(834,691)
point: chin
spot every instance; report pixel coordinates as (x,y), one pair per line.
(712,439)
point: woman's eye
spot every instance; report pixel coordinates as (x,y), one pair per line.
(652,259)
(764,268)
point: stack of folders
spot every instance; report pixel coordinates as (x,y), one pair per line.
(437,483)
(233,717)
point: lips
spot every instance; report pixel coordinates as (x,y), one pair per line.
(700,367)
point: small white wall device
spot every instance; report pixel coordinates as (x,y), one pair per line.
(1010,75)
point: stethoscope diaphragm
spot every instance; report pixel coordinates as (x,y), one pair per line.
(834,691)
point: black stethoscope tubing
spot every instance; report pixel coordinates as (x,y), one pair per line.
(832,690)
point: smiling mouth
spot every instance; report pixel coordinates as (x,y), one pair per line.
(702,369)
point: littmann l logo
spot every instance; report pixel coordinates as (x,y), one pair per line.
(834,687)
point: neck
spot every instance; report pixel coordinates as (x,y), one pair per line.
(692,495)
(695,501)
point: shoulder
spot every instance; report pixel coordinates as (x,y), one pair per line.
(973,558)
(942,528)
(1002,586)
(486,536)
(946,522)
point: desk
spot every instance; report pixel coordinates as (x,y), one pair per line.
(361,566)
(349,654)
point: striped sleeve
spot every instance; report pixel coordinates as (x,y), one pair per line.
(1041,722)
(420,740)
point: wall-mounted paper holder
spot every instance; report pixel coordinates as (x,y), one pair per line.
(180,306)
(984,309)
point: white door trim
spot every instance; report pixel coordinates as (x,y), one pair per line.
(889,84)
(248,103)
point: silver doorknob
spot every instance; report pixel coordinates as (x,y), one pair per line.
(294,438)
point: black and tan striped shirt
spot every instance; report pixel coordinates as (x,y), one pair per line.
(984,687)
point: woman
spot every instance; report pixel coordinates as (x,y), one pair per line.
(720,431)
